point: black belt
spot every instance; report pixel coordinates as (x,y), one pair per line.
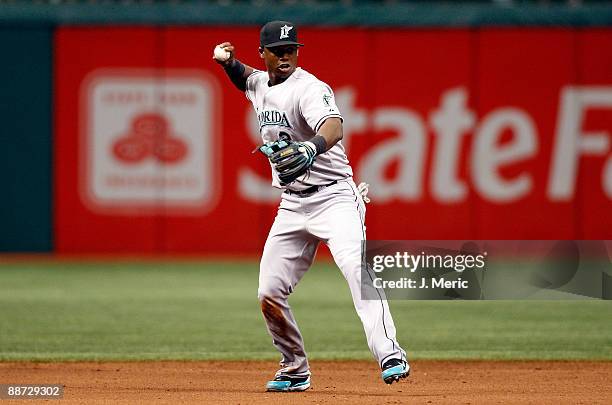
(310,190)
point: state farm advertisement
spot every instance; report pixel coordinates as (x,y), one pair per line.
(462,134)
(147,142)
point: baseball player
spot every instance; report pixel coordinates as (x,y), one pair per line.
(301,127)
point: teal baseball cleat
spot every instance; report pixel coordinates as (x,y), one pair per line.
(395,369)
(284,383)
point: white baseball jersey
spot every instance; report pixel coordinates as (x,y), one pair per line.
(333,215)
(299,106)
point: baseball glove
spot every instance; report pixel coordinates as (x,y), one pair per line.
(290,159)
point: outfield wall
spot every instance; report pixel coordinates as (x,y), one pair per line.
(480,132)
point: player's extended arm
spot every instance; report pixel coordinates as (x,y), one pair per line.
(237,71)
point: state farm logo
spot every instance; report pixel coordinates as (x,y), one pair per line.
(455,137)
(147,142)
(150,136)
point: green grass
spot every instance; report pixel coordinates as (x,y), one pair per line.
(140,311)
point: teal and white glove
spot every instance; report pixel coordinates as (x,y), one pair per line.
(290,159)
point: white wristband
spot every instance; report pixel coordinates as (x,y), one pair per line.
(312,147)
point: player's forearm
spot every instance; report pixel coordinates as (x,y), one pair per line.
(330,132)
(238,73)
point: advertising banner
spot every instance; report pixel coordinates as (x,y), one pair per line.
(462,134)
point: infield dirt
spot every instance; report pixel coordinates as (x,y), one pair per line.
(354,382)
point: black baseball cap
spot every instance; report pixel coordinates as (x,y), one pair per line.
(277,33)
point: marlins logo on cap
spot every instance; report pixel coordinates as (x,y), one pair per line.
(277,33)
(285,31)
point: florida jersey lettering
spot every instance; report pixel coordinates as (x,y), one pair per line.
(278,118)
